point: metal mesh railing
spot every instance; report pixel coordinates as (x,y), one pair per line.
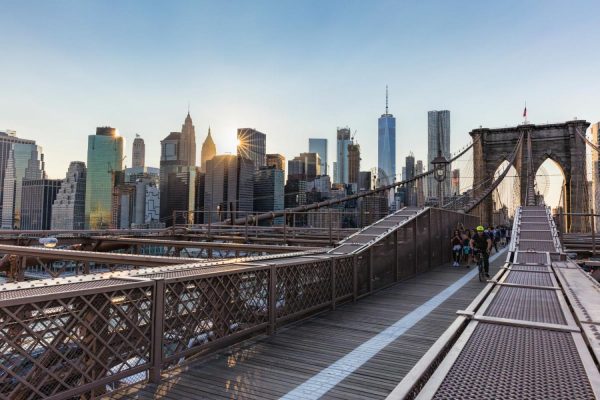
(72,342)
(94,337)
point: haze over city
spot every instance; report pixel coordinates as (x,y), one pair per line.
(292,70)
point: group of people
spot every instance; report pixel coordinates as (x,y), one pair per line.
(470,244)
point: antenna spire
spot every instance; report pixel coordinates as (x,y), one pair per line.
(386,99)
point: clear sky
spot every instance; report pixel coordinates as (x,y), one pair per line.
(291,69)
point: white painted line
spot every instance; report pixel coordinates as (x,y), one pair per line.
(328,378)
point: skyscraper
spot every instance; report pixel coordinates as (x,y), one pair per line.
(209,150)
(104,161)
(145,206)
(252,145)
(68,209)
(386,147)
(188,142)
(7,139)
(319,146)
(364,181)
(25,161)
(276,160)
(411,198)
(306,166)
(177,178)
(37,199)
(438,135)
(229,187)
(353,163)
(455,182)
(419,184)
(138,156)
(343,140)
(268,191)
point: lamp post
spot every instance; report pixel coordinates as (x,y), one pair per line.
(439,172)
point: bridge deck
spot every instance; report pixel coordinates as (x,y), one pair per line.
(531,334)
(359,351)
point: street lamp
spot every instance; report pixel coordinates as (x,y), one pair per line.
(439,172)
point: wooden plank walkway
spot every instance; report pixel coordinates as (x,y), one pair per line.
(270,367)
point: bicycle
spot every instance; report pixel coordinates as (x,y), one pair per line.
(477,254)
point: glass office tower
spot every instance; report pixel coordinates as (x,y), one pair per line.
(343,140)
(386,147)
(319,146)
(104,160)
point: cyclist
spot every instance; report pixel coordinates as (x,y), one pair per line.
(482,245)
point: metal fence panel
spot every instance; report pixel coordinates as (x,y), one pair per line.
(68,343)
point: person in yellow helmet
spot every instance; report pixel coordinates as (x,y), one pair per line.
(482,245)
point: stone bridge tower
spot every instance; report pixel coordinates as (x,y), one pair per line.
(559,142)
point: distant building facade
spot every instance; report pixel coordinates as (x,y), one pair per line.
(455,182)
(25,161)
(386,147)
(365,181)
(104,162)
(438,123)
(269,192)
(252,145)
(177,180)
(319,146)
(68,209)
(144,199)
(229,187)
(306,166)
(276,161)
(341,165)
(8,138)
(138,153)
(188,142)
(353,163)
(209,150)
(420,184)
(37,199)
(410,194)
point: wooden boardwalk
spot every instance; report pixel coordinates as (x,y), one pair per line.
(270,367)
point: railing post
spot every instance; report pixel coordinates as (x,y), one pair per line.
(157,330)
(284,226)
(370,269)
(429,241)
(330,226)
(593,234)
(396,255)
(354,277)
(209,221)
(415,227)
(272,306)
(333,294)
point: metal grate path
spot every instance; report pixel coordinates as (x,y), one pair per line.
(506,362)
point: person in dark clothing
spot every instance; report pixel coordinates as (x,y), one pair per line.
(483,245)
(456,243)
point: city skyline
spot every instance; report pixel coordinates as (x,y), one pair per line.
(157,72)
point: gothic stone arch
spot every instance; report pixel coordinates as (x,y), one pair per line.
(557,141)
